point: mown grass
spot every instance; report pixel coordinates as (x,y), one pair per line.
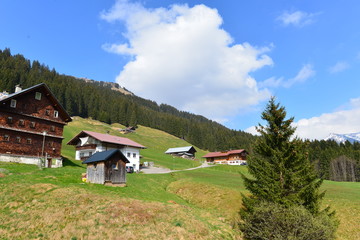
(344,198)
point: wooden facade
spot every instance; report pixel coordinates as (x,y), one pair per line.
(106,167)
(31,127)
(232,157)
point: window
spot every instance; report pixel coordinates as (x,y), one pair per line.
(47,112)
(38,95)
(51,144)
(9,120)
(21,122)
(6,138)
(90,154)
(13,103)
(56,114)
(82,155)
(32,124)
(128,154)
(134,155)
(52,129)
(18,139)
(115,166)
(28,141)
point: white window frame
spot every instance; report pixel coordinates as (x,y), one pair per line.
(13,103)
(6,138)
(56,114)
(38,95)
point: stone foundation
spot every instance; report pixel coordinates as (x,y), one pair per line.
(29,160)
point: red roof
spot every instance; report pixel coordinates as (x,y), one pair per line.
(223,154)
(106,138)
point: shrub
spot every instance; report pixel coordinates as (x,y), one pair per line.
(274,221)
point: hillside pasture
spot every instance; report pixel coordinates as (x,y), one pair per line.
(198,204)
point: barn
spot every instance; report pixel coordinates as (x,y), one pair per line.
(184,152)
(107,167)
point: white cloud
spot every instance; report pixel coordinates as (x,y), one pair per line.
(306,72)
(297,18)
(343,121)
(182,57)
(339,67)
(346,121)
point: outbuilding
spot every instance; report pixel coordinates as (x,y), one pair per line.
(107,167)
(184,152)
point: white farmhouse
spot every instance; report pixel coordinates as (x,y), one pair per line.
(87,143)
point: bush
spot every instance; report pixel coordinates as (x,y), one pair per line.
(273,221)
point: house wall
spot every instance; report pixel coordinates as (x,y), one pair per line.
(232,159)
(95,173)
(133,155)
(29,144)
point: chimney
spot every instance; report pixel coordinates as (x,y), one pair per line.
(18,88)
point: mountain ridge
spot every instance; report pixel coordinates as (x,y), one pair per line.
(342,138)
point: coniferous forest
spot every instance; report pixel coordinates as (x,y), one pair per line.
(339,162)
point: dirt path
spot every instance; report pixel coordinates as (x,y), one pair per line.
(160,170)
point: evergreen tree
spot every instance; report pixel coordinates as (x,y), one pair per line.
(280,169)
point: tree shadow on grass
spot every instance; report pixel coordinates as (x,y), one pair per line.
(68,162)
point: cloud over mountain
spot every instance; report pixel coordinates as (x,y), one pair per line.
(181,56)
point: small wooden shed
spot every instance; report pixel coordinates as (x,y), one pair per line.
(107,168)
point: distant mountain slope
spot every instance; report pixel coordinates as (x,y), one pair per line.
(342,138)
(112,85)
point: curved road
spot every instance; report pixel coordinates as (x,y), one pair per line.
(159,170)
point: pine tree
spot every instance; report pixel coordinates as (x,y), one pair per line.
(280,169)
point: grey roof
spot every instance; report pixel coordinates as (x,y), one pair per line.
(179,149)
(103,156)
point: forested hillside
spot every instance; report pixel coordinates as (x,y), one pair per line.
(99,102)
(333,161)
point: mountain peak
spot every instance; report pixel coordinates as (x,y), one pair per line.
(342,138)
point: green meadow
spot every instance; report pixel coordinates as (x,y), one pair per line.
(198,204)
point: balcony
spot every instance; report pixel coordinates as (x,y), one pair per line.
(87,146)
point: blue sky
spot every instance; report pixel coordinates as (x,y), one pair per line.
(220,59)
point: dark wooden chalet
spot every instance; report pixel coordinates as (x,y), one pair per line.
(107,167)
(31,126)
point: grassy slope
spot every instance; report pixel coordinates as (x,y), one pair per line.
(201,204)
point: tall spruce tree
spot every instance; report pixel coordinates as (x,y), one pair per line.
(280,169)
